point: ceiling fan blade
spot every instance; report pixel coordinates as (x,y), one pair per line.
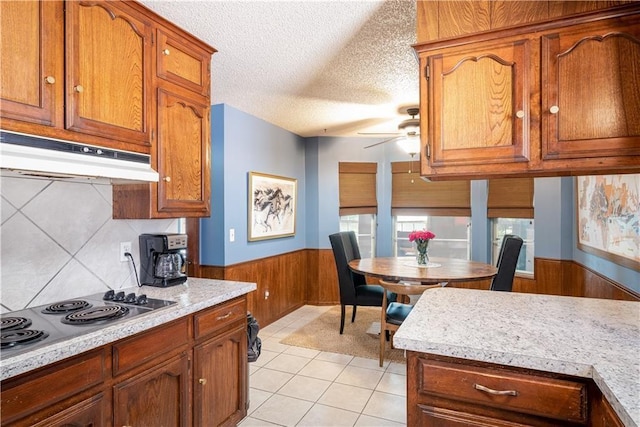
(383,142)
(379,133)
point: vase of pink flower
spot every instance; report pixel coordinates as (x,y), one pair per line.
(421,238)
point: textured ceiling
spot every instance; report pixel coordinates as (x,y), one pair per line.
(315,68)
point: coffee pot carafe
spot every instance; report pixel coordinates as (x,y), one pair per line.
(169,265)
(163,259)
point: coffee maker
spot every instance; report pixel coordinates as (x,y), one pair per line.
(163,259)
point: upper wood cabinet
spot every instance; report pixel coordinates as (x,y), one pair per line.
(182,62)
(181,155)
(78,71)
(554,98)
(31,69)
(591,101)
(479,105)
(108,85)
(113,74)
(182,151)
(444,19)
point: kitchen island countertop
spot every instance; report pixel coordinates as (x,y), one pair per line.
(583,337)
(190,297)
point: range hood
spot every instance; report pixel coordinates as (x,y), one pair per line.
(33,156)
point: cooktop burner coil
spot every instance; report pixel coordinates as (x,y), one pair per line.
(13,323)
(21,336)
(66,307)
(94,315)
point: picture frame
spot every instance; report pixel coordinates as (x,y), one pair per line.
(272,206)
(608,217)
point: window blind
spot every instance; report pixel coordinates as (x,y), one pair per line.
(411,195)
(510,198)
(357,182)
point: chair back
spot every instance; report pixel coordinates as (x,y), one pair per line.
(507,261)
(345,248)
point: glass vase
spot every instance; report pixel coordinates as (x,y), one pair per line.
(422,252)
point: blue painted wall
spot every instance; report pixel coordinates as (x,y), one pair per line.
(243,143)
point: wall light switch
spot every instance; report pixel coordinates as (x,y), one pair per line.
(232,234)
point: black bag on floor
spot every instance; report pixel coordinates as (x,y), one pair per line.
(254,342)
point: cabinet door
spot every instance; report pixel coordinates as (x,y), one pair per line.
(479,105)
(183,158)
(92,412)
(31,67)
(158,396)
(108,71)
(591,107)
(220,379)
(182,62)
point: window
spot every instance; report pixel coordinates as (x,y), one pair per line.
(358,203)
(441,207)
(520,227)
(510,208)
(365,228)
(453,235)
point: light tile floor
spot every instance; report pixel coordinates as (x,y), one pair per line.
(295,386)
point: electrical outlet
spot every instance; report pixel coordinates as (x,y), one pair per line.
(232,234)
(124,248)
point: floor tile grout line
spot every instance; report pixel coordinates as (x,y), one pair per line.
(344,366)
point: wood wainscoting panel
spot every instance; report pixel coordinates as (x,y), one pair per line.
(309,276)
(597,286)
(281,280)
(328,287)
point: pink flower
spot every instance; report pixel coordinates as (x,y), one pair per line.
(421,236)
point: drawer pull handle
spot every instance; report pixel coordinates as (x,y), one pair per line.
(520,114)
(554,109)
(50,79)
(166,52)
(224,317)
(495,392)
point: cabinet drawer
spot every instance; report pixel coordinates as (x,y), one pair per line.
(147,346)
(531,394)
(182,62)
(42,388)
(212,320)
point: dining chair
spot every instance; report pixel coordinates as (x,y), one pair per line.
(507,262)
(394,313)
(354,289)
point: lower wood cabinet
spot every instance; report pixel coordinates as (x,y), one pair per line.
(443,392)
(191,371)
(87,413)
(220,399)
(158,396)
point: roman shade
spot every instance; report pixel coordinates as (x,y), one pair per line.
(510,198)
(411,195)
(357,182)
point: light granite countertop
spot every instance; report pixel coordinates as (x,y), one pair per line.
(584,337)
(192,296)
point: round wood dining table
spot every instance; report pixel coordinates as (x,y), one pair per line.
(406,269)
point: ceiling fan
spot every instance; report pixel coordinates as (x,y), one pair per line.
(408,135)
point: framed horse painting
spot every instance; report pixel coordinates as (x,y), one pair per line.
(272,206)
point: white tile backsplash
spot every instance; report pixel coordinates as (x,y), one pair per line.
(58,241)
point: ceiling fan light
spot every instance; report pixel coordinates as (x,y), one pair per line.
(410,144)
